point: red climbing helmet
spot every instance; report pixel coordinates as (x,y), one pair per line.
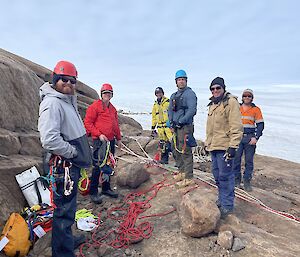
(106,88)
(65,68)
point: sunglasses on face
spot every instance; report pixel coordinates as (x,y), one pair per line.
(66,79)
(249,96)
(215,88)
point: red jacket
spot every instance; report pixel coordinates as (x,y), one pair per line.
(101,119)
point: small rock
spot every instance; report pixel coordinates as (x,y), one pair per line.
(217,248)
(105,250)
(225,239)
(238,244)
(128,252)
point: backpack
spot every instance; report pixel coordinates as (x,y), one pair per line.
(17,232)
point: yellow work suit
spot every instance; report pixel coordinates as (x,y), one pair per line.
(160,117)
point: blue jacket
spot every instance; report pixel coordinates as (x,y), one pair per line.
(61,128)
(183,107)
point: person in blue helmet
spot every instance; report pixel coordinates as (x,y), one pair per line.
(182,109)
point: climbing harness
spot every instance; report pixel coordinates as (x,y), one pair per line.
(56,162)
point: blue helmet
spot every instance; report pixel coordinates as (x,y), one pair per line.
(180,74)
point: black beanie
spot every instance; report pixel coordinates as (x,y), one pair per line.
(218,81)
(159,89)
(55,78)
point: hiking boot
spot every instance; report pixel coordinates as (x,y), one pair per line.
(110,193)
(184,183)
(97,199)
(78,240)
(247,185)
(225,212)
(179,177)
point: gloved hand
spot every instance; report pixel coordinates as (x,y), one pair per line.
(231,152)
(179,125)
(205,151)
(168,124)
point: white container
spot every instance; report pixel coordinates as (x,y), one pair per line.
(32,186)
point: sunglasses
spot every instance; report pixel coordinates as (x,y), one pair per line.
(249,96)
(66,79)
(215,88)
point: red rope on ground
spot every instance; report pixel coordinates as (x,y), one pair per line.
(128,231)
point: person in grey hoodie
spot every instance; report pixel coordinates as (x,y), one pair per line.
(62,134)
(182,109)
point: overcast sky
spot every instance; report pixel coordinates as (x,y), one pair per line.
(139,44)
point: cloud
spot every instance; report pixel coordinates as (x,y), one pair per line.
(142,43)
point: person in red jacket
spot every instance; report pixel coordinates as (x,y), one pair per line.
(101,122)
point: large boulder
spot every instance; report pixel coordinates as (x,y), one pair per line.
(132,175)
(129,127)
(19,104)
(198,213)
(11,197)
(30,144)
(138,143)
(9,142)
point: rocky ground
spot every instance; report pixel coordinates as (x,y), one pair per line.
(188,213)
(257,231)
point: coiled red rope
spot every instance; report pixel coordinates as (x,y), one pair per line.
(127,214)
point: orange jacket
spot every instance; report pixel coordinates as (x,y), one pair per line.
(252,120)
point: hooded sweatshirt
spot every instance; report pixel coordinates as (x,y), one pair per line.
(61,128)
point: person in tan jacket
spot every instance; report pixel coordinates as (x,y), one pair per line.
(224,132)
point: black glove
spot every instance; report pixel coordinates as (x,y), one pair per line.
(179,125)
(205,151)
(231,152)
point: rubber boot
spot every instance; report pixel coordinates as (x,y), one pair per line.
(106,190)
(164,158)
(247,185)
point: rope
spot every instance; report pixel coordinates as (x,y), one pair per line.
(241,194)
(184,144)
(106,155)
(135,203)
(143,150)
(253,200)
(199,156)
